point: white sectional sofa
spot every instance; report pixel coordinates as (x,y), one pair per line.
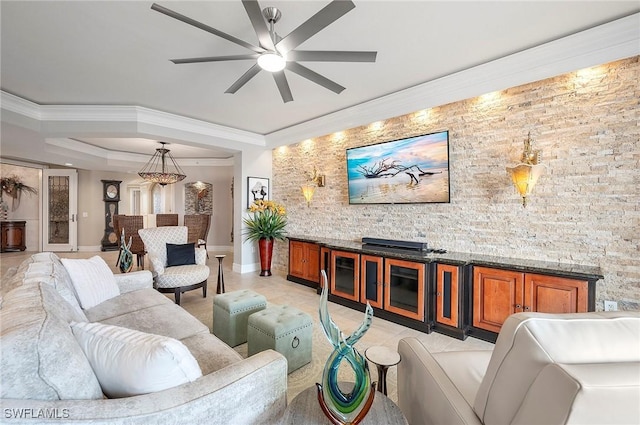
(47,378)
(547,369)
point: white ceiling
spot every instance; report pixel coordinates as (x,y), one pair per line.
(117,53)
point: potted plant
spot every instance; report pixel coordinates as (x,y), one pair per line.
(266,222)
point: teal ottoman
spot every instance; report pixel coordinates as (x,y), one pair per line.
(231,312)
(284,329)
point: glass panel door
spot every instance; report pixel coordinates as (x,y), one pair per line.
(404,288)
(345,275)
(372,280)
(59,207)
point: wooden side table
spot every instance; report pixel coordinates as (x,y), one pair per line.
(305,409)
(383,358)
(13,236)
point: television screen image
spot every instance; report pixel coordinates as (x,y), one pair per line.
(405,171)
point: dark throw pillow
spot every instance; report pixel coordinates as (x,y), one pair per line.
(181,254)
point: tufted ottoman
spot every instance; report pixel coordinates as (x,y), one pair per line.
(284,329)
(231,312)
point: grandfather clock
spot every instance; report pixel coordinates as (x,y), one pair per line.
(111,198)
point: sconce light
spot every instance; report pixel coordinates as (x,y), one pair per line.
(307,191)
(525,175)
(313,180)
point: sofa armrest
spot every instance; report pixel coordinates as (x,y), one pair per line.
(588,393)
(252,391)
(133,281)
(427,394)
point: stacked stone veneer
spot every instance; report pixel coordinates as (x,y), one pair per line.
(585,209)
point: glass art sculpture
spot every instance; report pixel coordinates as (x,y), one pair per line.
(125,257)
(340,407)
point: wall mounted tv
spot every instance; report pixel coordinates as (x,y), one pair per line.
(405,171)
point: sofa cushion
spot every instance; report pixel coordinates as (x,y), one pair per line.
(126,303)
(92,280)
(211,353)
(40,358)
(129,362)
(165,319)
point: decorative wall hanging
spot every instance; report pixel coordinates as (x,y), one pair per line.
(198,198)
(257,190)
(13,187)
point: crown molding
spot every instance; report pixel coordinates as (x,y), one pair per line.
(131,114)
(117,158)
(602,44)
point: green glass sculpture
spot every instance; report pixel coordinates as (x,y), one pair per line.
(344,408)
(125,257)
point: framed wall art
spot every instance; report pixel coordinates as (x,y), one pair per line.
(257,190)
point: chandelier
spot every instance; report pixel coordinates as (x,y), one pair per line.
(162,168)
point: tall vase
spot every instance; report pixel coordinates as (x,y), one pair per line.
(266,252)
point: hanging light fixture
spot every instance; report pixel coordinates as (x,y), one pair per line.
(162,168)
(526,174)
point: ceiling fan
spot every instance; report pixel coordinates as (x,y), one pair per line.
(274,53)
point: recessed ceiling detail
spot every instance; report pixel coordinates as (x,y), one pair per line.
(276,54)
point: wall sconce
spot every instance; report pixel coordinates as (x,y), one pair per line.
(307,192)
(313,180)
(526,174)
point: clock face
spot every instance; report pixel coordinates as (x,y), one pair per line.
(112,191)
(112,237)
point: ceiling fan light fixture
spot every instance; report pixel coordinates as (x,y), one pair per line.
(272,61)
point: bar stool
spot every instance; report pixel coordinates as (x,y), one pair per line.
(220,287)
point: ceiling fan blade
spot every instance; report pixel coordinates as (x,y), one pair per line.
(331,56)
(215,59)
(244,79)
(259,25)
(330,13)
(315,77)
(204,27)
(283,86)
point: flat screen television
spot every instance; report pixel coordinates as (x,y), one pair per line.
(404,171)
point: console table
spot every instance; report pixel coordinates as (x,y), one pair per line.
(13,236)
(457,294)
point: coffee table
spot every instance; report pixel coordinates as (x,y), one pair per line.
(305,409)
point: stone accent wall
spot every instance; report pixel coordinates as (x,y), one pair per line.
(584,210)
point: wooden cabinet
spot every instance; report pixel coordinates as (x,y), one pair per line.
(551,294)
(345,275)
(396,286)
(304,262)
(404,283)
(13,236)
(448,295)
(371,280)
(499,293)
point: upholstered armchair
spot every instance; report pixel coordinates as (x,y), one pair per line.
(173,273)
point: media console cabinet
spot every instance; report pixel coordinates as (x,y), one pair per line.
(456,294)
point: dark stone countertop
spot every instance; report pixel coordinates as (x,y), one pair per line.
(574,271)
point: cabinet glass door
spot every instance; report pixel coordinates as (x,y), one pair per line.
(371,289)
(345,275)
(404,288)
